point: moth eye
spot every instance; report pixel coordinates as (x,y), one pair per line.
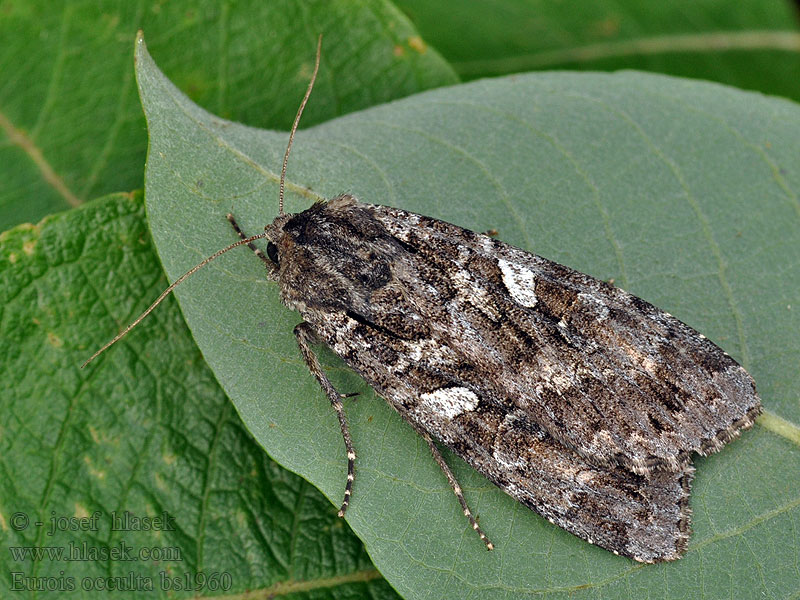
(272,252)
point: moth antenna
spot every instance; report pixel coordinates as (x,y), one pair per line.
(164,294)
(199,266)
(296,121)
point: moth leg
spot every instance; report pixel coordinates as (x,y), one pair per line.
(250,245)
(305,335)
(456,488)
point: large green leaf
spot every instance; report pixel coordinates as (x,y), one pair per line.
(71,127)
(685,193)
(146,429)
(750,43)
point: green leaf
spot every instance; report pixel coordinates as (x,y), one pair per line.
(144,429)
(751,43)
(685,193)
(70,122)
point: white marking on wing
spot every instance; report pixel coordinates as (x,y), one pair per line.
(450,402)
(520,283)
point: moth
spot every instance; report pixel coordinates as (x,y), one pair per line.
(581,401)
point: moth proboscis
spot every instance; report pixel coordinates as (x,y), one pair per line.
(579,400)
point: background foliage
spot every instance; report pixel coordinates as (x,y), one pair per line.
(149,429)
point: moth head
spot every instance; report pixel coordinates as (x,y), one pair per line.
(275,242)
(292,260)
(333,254)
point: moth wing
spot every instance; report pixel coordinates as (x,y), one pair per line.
(600,370)
(428,315)
(644,518)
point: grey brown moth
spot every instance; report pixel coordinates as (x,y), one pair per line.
(581,401)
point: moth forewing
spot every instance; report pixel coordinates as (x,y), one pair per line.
(576,398)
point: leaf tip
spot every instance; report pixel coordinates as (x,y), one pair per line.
(139,46)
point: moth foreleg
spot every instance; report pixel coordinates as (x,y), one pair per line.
(250,245)
(305,335)
(456,488)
